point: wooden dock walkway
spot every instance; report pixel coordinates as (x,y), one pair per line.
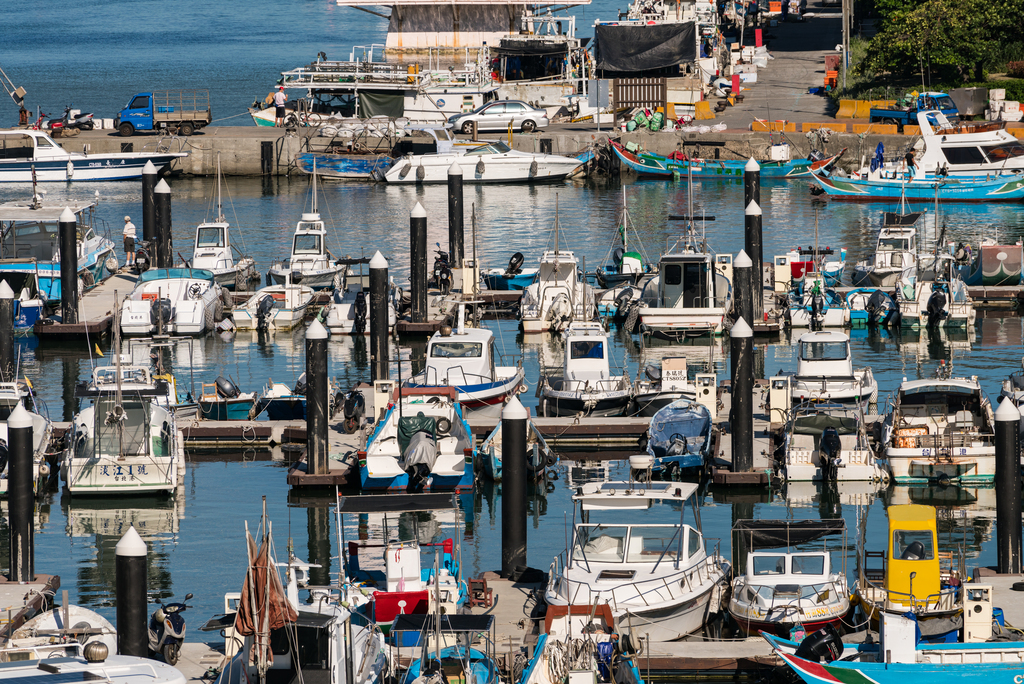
(762,471)
(95,312)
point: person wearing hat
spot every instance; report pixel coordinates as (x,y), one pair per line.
(279,99)
(129,242)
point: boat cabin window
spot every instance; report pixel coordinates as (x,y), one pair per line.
(586,349)
(998,153)
(140,102)
(44,142)
(963,155)
(456,350)
(130,374)
(893,245)
(493,148)
(124,437)
(808,565)
(306,244)
(912,545)
(210,237)
(647,544)
(693,543)
(16,147)
(824,351)
(769,565)
(601,543)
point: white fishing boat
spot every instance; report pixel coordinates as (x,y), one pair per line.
(942,302)
(213,251)
(493,162)
(280,307)
(31,156)
(465,359)
(13,394)
(173,301)
(783,589)
(658,578)
(895,257)
(71,661)
(127,440)
(422,443)
(310,263)
(814,305)
(348,312)
(939,430)
(559,295)
(825,372)
(659,387)
(692,292)
(586,384)
(828,443)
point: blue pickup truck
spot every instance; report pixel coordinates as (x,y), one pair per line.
(177,111)
(904,116)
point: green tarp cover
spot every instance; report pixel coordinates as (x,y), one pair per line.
(410,425)
(816,424)
(381,104)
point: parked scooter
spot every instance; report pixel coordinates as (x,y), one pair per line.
(442,271)
(167,630)
(80,121)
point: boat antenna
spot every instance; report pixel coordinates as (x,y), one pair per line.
(556,224)
(314,185)
(220,207)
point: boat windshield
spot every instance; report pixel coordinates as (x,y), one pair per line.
(211,236)
(770,565)
(491,148)
(912,545)
(808,565)
(601,543)
(648,544)
(456,350)
(893,245)
(824,351)
(306,244)
(586,349)
(998,153)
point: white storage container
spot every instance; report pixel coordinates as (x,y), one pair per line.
(779,152)
(995,94)
(1011,106)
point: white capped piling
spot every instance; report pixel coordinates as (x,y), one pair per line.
(162,212)
(317,393)
(514,420)
(68,237)
(1008,504)
(741,419)
(131,587)
(418,265)
(378,317)
(20,498)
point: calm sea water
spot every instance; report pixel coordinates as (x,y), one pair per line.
(196,538)
(97,57)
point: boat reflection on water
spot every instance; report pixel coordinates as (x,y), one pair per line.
(40,518)
(844,493)
(155,518)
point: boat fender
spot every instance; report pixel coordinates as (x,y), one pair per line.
(226,388)
(444,426)
(533,168)
(550,459)
(405,170)
(87,279)
(824,644)
(421,172)
(480,168)
(111,264)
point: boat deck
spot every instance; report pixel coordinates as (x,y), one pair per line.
(20,601)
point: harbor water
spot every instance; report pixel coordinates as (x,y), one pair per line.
(196,537)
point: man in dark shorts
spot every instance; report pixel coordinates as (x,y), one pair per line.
(279,99)
(129,242)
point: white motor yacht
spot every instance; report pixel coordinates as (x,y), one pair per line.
(280,307)
(942,302)
(126,441)
(828,443)
(658,578)
(214,252)
(825,372)
(310,263)
(172,301)
(940,429)
(895,258)
(586,384)
(559,295)
(493,162)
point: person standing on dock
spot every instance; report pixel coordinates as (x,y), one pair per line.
(279,99)
(129,242)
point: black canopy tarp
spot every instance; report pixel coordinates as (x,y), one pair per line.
(381,104)
(772,534)
(530,47)
(630,49)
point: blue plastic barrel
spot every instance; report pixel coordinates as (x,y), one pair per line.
(997,615)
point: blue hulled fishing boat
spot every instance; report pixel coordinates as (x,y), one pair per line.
(650,164)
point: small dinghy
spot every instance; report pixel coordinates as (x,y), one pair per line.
(281,307)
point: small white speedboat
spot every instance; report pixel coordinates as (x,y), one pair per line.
(278,306)
(825,372)
(213,251)
(172,301)
(494,162)
(349,310)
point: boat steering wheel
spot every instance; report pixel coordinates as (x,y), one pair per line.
(195,291)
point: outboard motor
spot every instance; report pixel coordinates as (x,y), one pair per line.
(359,326)
(823,645)
(828,450)
(936,308)
(653,373)
(622,300)
(515,264)
(914,551)
(817,310)
(264,311)
(355,409)
(961,254)
(142,260)
(226,388)
(300,386)
(160,313)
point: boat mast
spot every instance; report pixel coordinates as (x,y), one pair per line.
(314,185)
(220,207)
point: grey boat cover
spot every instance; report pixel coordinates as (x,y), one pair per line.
(628,49)
(422,449)
(773,534)
(682,427)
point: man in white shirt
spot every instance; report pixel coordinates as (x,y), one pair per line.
(279,99)
(129,242)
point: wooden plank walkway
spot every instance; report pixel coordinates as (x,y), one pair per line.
(95,311)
